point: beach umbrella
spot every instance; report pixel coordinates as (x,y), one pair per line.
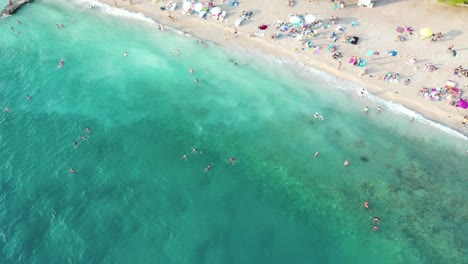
(425,32)
(294,19)
(463,104)
(198,7)
(215,11)
(186,6)
(310,18)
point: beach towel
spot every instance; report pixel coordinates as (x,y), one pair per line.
(335,6)
(354,24)
(362,63)
(392,53)
(400,29)
(353,60)
(369,53)
(316,50)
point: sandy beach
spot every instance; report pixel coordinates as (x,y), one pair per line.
(376,28)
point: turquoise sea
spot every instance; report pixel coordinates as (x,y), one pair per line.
(134,199)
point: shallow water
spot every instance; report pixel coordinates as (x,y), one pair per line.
(135,199)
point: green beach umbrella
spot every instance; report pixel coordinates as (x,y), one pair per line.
(425,32)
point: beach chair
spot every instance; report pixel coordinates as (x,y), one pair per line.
(222,16)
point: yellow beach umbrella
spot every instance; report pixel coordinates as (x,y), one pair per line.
(425,32)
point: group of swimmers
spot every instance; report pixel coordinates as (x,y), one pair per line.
(366,109)
(208,168)
(375,219)
(87,130)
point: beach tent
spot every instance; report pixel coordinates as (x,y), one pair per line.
(310,18)
(425,32)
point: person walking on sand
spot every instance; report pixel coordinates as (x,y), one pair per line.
(115,3)
(339,65)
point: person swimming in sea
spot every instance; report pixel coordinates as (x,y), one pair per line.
(87,130)
(346,162)
(376,220)
(72,171)
(194,150)
(316,154)
(84,138)
(191,70)
(184,157)
(366,205)
(316,115)
(232,160)
(196,80)
(75,143)
(208,168)
(125,54)
(28,97)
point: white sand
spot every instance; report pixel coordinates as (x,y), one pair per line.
(376,29)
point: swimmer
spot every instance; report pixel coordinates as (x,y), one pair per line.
(321,118)
(206,71)
(7,109)
(125,54)
(170,54)
(366,110)
(191,70)
(376,220)
(177,52)
(316,154)
(208,168)
(194,150)
(90,6)
(84,138)
(12,28)
(75,144)
(196,80)
(19,22)
(232,160)
(366,205)
(72,171)
(375,228)
(316,115)
(184,157)
(346,162)
(379,109)
(28,97)
(87,130)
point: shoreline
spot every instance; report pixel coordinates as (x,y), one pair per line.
(222,34)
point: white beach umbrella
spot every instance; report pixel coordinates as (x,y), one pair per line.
(294,19)
(310,18)
(186,6)
(198,7)
(215,11)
